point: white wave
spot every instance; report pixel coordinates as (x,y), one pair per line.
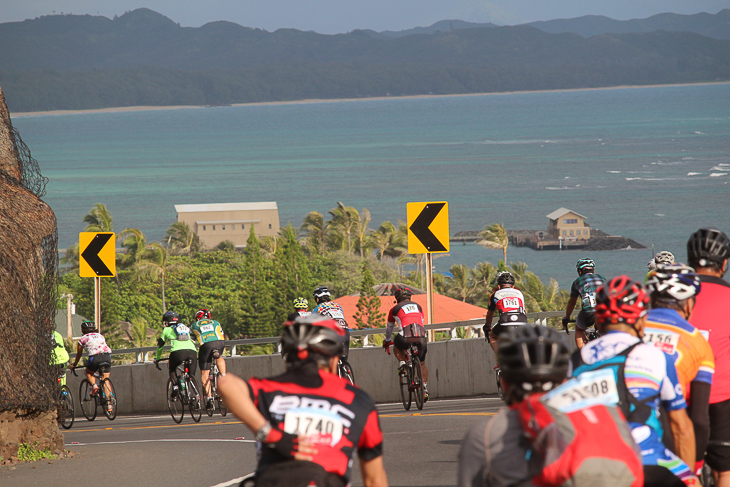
(693,173)
(718,174)
(614,172)
(688,158)
(517,142)
(720,167)
(723,164)
(552,188)
(566,177)
(659,214)
(699,133)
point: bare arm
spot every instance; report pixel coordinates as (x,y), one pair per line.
(238,399)
(488,323)
(79,351)
(684,436)
(373,473)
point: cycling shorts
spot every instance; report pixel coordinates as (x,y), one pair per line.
(101,362)
(346,351)
(718,456)
(178,357)
(585,320)
(402,343)
(498,329)
(205,354)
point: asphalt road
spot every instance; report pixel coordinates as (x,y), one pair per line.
(421,449)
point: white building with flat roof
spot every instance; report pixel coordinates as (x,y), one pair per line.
(217,222)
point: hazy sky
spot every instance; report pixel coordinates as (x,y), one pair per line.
(336,16)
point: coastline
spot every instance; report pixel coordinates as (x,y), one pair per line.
(336,100)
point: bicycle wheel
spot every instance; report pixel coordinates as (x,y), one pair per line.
(405,387)
(174,404)
(499,384)
(66,408)
(218,399)
(194,401)
(347,372)
(418,382)
(706,476)
(109,403)
(87,401)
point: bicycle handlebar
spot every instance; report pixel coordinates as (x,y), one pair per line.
(157,362)
(565,326)
(73,369)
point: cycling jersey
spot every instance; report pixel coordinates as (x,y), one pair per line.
(675,336)
(94,343)
(409,318)
(303,312)
(585,288)
(59,355)
(333,310)
(711,315)
(511,306)
(336,416)
(170,335)
(207,331)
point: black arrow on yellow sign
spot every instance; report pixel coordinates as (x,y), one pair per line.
(91,255)
(421,231)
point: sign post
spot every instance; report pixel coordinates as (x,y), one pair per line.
(428,233)
(97,259)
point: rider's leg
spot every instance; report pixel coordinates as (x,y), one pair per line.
(90,377)
(580,337)
(204,375)
(107,385)
(221,364)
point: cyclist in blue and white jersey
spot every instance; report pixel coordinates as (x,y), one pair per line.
(584,288)
(327,307)
(620,369)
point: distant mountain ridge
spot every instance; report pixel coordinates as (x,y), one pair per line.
(144,58)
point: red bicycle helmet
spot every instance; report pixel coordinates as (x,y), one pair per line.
(203,313)
(621,300)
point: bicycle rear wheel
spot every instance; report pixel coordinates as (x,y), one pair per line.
(87,401)
(66,408)
(405,387)
(499,384)
(210,408)
(218,399)
(109,403)
(418,382)
(194,401)
(174,403)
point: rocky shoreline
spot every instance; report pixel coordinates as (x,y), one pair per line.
(599,240)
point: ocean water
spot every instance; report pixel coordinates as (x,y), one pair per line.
(652,164)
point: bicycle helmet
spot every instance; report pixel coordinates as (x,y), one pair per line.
(585,263)
(301,303)
(673,281)
(203,313)
(664,257)
(402,294)
(312,333)
(621,300)
(88,327)
(170,317)
(321,294)
(505,278)
(533,358)
(708,246)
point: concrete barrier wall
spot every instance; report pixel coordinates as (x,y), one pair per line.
(456,368)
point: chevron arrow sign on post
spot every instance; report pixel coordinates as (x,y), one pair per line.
(97,254)
(428,227)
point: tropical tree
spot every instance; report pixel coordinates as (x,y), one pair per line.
(182,239)
(70,260)
(157,263)
(256,303)
(99,219)
(362,232)
(460,284)
(494,236)
(345,220)
(135,243)
(138,333)
(316,232)
(368,313)
(226,246)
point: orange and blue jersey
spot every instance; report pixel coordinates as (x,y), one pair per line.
(685,344)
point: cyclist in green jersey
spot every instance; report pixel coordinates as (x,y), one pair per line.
(59,355)
(182,347)
(210,337)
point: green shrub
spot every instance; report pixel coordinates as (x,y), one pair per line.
(28,453)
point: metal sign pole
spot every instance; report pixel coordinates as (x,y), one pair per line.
(429,293)
(97,302)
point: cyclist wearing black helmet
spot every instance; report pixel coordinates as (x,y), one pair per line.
(510,303)
(329,308)
(181,346)
(100,357)
(708,250)
(309,414)
(584,288)
(409,317)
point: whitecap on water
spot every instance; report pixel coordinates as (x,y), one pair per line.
(718,174)
(693,173)
(659,214)
(614,172)
(720,167)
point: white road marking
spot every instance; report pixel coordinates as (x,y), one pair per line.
(156,441)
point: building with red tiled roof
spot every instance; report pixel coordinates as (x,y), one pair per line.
(446,310)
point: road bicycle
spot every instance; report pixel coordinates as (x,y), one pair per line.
(344,370)
(213,380)
(591,332)
(411,378)
(106,396)
(65,411)
(187,393)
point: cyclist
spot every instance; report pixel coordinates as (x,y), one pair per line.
(181,346)
(642,379)
(59,355)
(409,317)
(100,357)
(301,307)
(708,250)
(210,338)
(662,258)
(673,288)
(327,307)
(584,288)
(309,413)
(510,303)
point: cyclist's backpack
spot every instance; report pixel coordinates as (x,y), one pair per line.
(182,332)
(591,446)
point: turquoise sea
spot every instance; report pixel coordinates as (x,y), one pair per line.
(652,164)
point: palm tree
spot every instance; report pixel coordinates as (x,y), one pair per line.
(345,220)
(383,238)
(70,259)
(135,242)
(182,239)
(99,219)
(316,231)
(362,231)
(483,275)
(156,263)
(494,236)
(460,284)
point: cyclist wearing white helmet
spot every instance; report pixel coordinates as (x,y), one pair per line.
(662,258)
(509,302)
(584,288)
(327,307)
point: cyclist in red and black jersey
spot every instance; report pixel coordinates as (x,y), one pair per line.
(510,303)
(708,250)
(309,414)
(409,317)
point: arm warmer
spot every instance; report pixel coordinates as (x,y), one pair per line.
(699,412)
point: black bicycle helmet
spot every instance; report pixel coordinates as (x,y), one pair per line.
(505,277)
(312,333)
(402,294)
(88,327)
(170,317)
(321,294)
(533,358)
(708,246)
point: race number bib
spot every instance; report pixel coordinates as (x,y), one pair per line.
(511,303)
(410,308)
(588,301)
(586,390)
(318,425)
(207,328)
(664,340)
